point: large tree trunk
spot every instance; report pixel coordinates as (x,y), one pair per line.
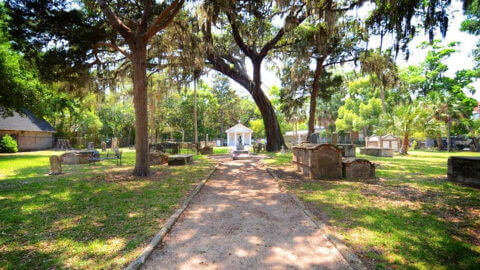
(405,143)
(313,99)
(449,137)
(139,59)
(439,142)
(382,97)
(272,127)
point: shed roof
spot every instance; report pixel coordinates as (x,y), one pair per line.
(25,122)
(239,128)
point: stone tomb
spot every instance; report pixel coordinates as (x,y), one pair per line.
(157,158)
(318,161)
(358,168)
(465,170)
(379,152)
(207,150)
(180,160)
(348,150)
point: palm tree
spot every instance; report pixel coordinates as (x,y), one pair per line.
(404,121)
(447,109)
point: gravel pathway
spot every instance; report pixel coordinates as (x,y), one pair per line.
(242,220)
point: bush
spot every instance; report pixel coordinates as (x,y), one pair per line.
(414,145)
(8,145)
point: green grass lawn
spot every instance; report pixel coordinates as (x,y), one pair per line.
(91,217)
(410,218)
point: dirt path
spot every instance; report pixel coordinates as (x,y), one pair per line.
(241,220)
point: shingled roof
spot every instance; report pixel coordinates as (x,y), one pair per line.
(25,122)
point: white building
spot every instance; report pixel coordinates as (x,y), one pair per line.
(239,133)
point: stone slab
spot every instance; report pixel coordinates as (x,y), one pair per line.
(177,160)
(465,170)
(379,152)
(354,168)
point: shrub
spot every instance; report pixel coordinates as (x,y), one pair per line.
(8,145)
(414,145)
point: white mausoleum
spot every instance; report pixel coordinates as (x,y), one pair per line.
(239,133)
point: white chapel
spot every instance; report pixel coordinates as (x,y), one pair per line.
(239,134)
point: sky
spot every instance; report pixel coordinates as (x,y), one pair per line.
(457,61)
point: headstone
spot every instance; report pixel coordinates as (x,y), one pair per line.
(114,144)
(91,146)
(315,138)
(358,168)
(465,170)
(334,138)
(55,165)
(282,151)
(104,146)
(348,150)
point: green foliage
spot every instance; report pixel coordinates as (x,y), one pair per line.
(414,144)
(8,144)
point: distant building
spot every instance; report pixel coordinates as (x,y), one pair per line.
(30,132)
(476,112)
(239,134)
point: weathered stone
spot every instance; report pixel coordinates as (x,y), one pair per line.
(334,138)
(114,144)
(318,161)
(103,145)
(55,165)
(465,170)
(180,160)
(84,156)
(91,146)
(207,150)
(379,152)
(69,158)
(358,168)
(157,158)
(348,150)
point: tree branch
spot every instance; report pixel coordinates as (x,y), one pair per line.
(238,39)
(164,19)
(110,45)
(116,23)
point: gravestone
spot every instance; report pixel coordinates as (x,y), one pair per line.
(103,145)
(315,138)
(334,138)
(358,168)
(348,150)
(114,144)
(91,146)
(55,165)
(318,161)
(465,170)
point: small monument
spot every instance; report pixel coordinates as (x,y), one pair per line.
(104,146)
(114,144)
(240,146)
(55,165)
(91,146)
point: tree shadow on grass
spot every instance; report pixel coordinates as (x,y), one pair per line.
(85,220)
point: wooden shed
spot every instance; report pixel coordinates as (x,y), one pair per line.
(30,132)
